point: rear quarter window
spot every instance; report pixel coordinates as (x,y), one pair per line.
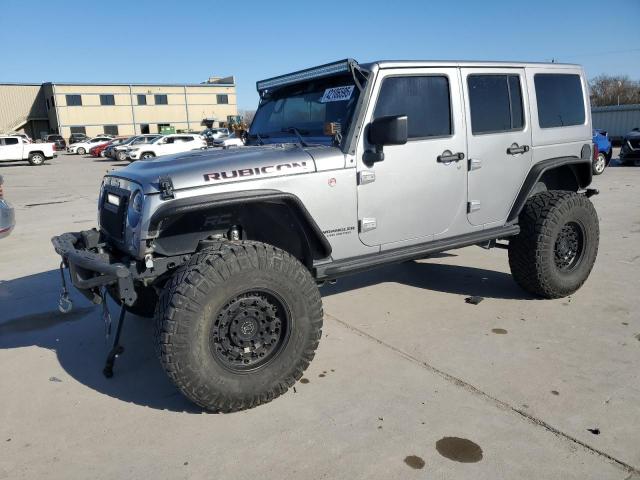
(560,100)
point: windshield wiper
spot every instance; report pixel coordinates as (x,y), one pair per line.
(297,133)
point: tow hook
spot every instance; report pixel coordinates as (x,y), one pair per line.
(65,305)
(590,192)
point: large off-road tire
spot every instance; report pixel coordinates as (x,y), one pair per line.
(556,248)
(238,325)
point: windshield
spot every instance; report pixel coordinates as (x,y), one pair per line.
(306,109)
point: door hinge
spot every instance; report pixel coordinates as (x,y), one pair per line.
(473,206)
(475,164)
(166,188)
(366,176)
(368,224)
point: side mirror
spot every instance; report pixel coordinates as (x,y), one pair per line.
(390,130)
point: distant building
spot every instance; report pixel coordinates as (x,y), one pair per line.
(115,108)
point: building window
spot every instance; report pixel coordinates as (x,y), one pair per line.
(496,103)
(142,99)
(144,128)
(222,99)
(72,101)
(560,100)
(107,100)
(111,130)
(160,99)
(53,102)
(78,130)
(425,101)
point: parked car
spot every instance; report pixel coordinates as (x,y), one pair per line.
(24,136)
(83,147)
(57,140)
(100,149)
(16,148)
(630,151)
(229,141)
(176,143)
(119,152)
(211,134)
(392,161)
(77,138)
(602,152)
(7,215)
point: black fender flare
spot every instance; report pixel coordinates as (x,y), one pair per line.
(581,168)
(315,239)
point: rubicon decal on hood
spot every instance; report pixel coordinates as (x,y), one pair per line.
(281,169)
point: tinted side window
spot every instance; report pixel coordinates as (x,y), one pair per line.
(72,100)
(10,141)
(425,101)
(107,100)
(560,100)
(495,102)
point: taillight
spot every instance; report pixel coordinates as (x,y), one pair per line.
(1,188)
(596,151)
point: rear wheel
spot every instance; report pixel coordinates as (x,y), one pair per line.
(36,159)
(556,248)
(599,164)
(122,156)
(147,155)
(238,325)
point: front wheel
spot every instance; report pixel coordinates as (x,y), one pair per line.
(557,246)
(81,151)
(147,155)
(238,325)
(122,156)
(599,164)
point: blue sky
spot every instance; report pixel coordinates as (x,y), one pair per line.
(155,41)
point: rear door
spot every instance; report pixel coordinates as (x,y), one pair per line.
(412,195)
(498,141)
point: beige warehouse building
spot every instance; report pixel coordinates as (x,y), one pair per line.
(116,109)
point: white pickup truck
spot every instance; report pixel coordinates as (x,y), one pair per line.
(16,148)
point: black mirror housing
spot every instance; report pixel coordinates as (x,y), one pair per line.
(389,130)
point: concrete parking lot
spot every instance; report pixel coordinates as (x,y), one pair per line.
(409,381)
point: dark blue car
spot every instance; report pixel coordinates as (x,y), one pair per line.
(603,157)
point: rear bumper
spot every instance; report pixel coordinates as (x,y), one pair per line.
(90,269)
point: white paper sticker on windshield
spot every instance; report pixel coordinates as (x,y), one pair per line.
(337,94)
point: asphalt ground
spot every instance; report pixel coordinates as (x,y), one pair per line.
(409,381)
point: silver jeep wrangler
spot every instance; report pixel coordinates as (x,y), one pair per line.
(347,167)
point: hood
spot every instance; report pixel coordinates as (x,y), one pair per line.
(210,167)
(635,135)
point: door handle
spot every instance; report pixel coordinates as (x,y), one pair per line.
(514,149)
(447,157)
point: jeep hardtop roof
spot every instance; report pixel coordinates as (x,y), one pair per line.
(349,65)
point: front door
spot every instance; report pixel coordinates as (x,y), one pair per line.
(10,148)
(498,141)
(419,188)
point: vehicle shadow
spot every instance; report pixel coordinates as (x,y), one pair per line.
(29,317)
(439,277)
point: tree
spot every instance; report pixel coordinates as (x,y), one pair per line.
(247,116)
(614,90)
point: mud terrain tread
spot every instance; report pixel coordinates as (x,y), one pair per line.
(177,308)
(529,250)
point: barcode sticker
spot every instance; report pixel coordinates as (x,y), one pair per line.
(337,94)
